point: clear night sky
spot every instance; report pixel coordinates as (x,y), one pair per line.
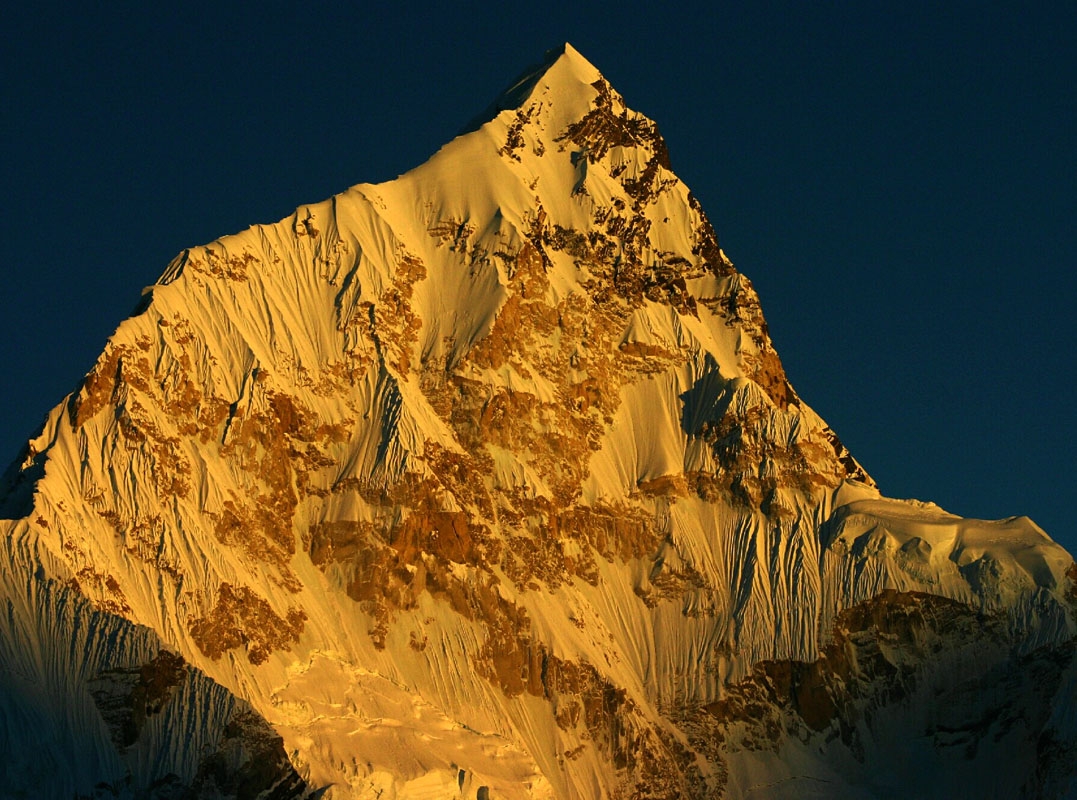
(899,180)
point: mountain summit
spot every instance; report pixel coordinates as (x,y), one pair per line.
(487,482)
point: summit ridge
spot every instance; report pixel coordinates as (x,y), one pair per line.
(518,91)
(488,481)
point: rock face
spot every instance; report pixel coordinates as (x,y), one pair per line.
(488,482)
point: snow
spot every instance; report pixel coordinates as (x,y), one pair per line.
(321,329)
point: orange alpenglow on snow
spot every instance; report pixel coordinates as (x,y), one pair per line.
(487,481)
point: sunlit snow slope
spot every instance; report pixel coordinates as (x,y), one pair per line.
(488,482)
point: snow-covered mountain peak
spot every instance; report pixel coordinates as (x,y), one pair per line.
(564,71)
(490,473)
(562,67)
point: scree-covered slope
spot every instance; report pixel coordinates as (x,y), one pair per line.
(487,482)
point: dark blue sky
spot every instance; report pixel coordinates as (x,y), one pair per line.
(898,179)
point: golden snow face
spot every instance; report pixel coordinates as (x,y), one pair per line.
(573,294)
(509,435)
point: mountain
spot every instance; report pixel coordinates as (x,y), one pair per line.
(487,482)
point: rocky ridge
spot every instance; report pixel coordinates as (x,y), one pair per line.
(488,482)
